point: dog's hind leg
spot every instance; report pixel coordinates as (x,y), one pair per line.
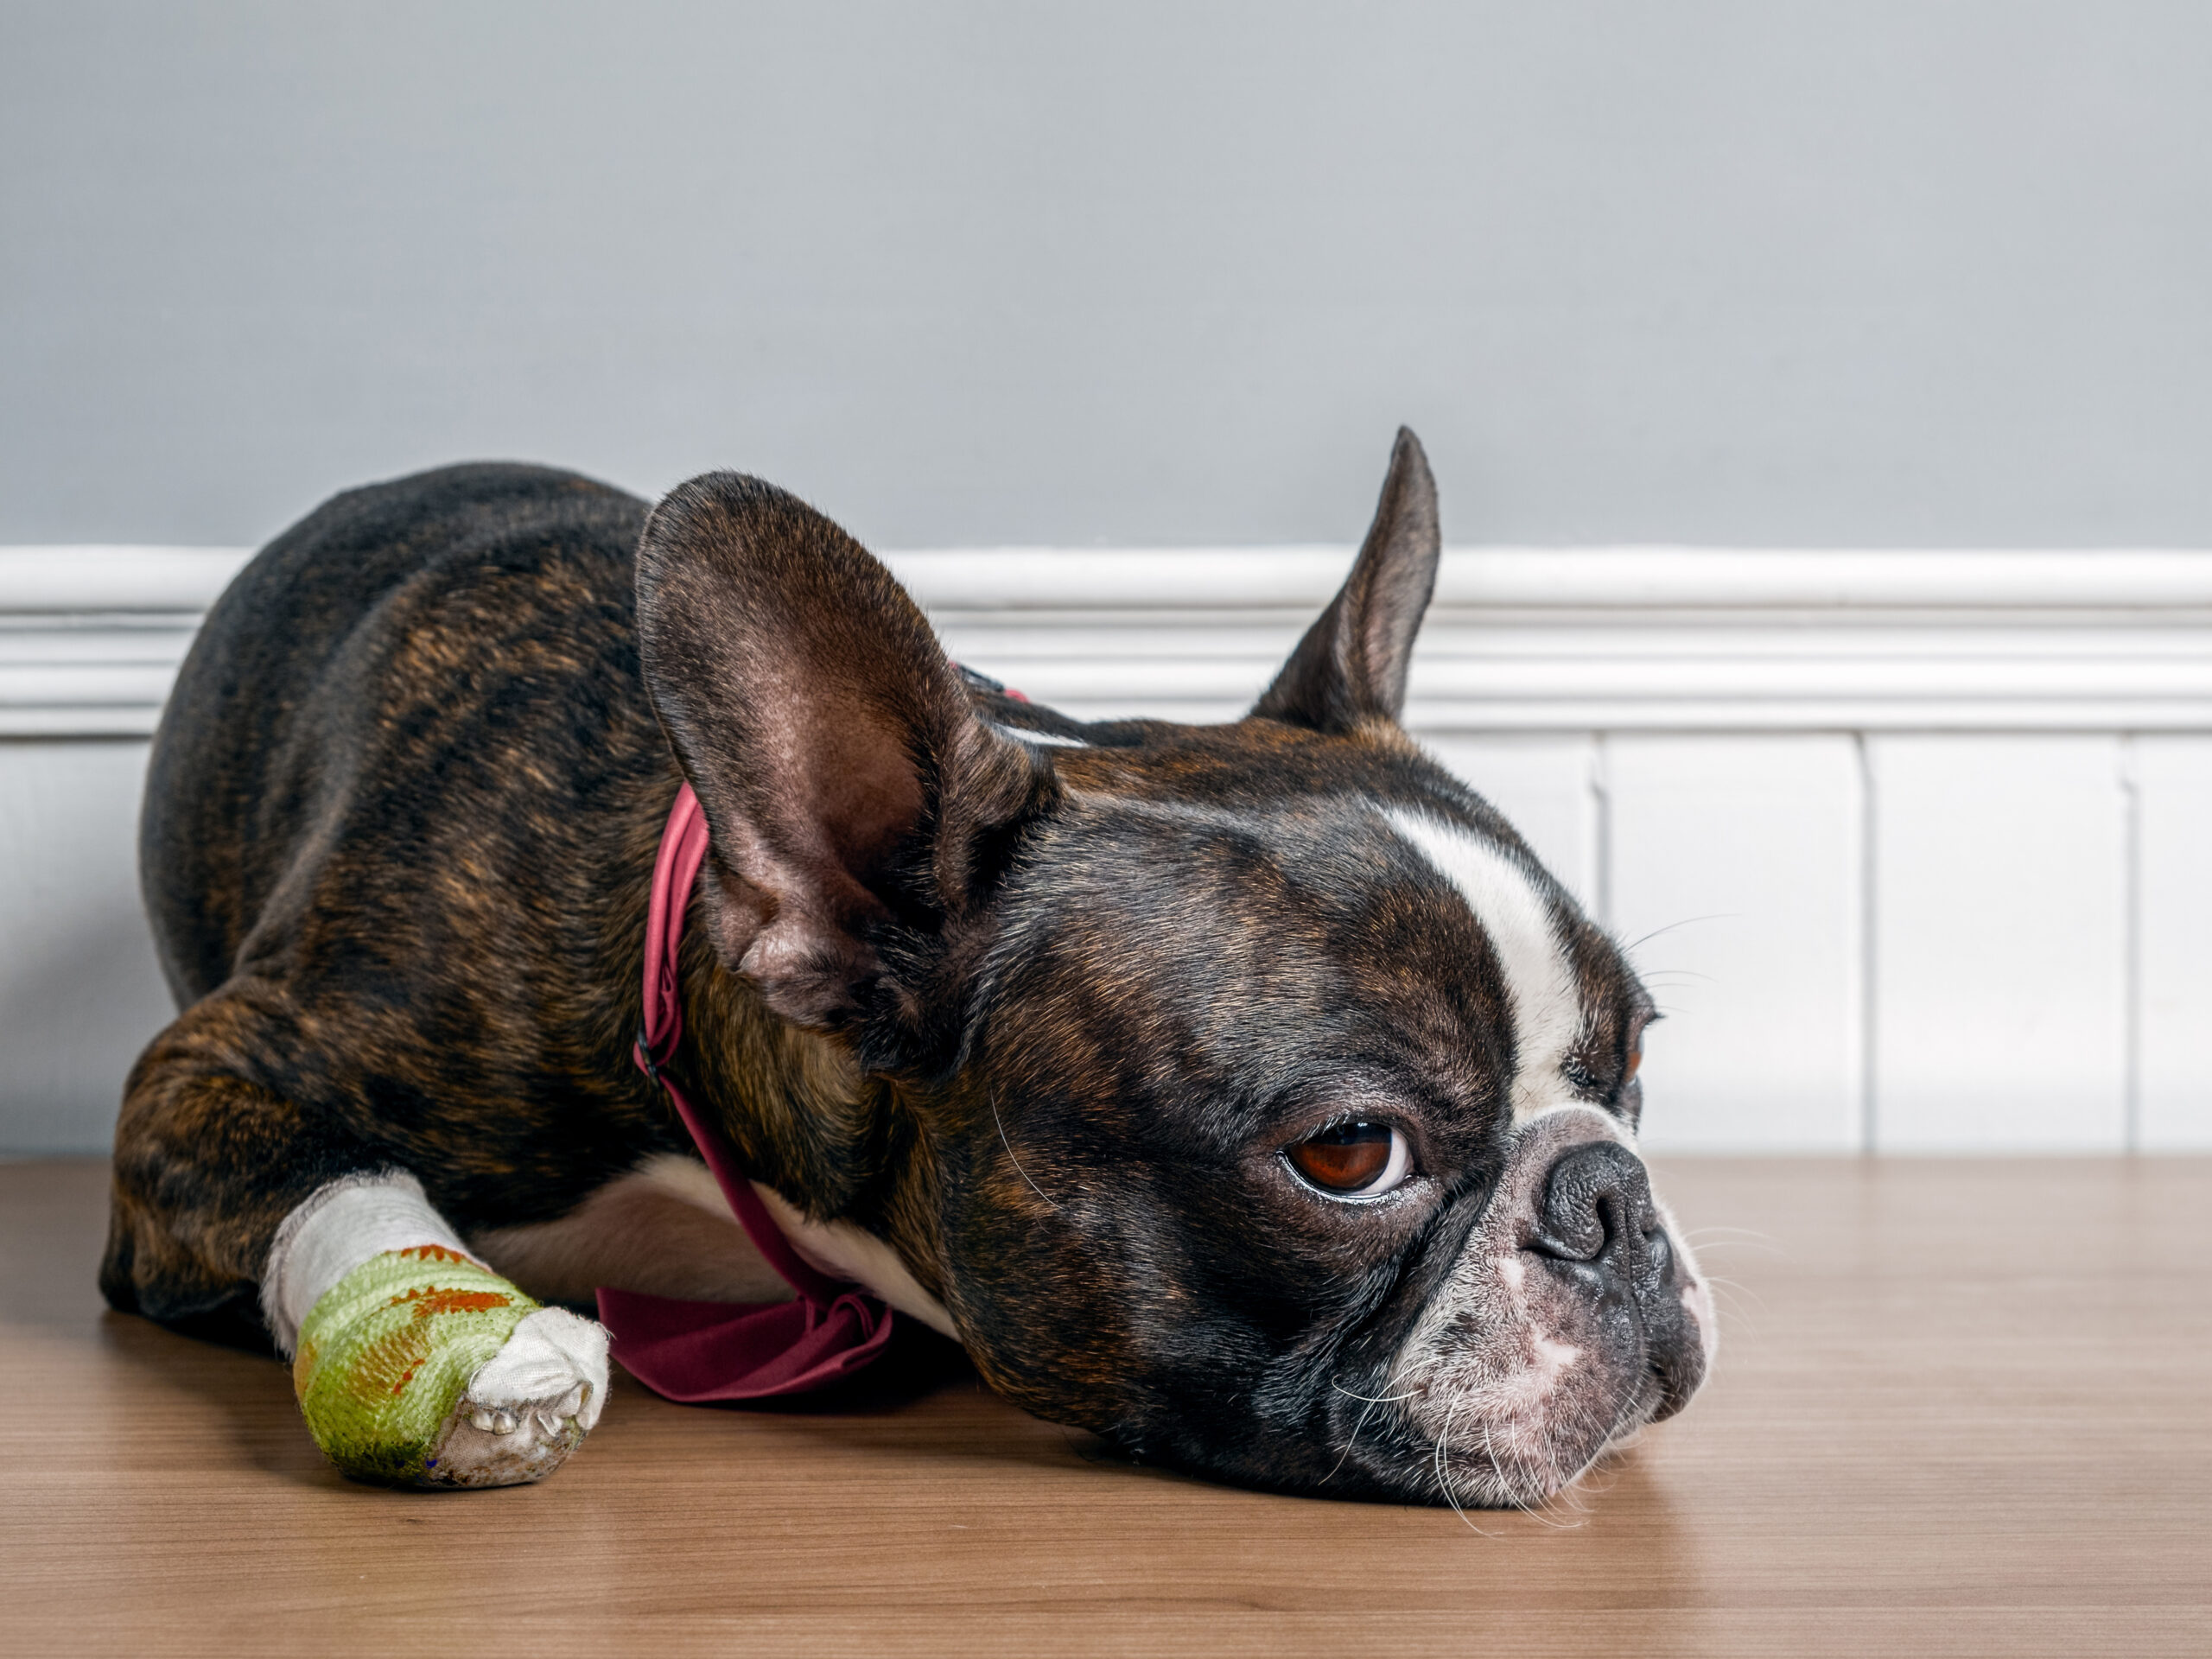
(237,1210)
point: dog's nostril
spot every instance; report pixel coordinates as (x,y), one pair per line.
(1596,1198)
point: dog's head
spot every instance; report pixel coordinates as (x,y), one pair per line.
(1278,1109)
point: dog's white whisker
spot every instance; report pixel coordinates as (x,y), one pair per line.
(1688,921)
(1010,1157)
(1738,1295)
(1399,1374)
(1443,1478)
(1377,1399)
(1719,1238)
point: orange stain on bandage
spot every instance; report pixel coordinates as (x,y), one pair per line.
(430,1301)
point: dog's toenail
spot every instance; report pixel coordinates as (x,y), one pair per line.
(503,1422)
(481,1418)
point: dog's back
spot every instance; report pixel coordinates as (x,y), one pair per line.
(357,637)
(398,818)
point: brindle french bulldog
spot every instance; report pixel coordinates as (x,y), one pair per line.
(1247,1094)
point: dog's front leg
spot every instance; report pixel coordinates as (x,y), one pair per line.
(414,1363)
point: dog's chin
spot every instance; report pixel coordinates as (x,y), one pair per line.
(1486,1435)
(1518,1440)
(1512,1386)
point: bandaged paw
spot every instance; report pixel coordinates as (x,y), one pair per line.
(421,1367)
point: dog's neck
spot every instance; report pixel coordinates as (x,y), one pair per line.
(805,1120)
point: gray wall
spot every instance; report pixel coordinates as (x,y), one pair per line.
(1877,271)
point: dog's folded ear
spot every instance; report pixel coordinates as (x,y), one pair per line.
(1350,670)
(846,783)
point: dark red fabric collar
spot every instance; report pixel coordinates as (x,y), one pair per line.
(700,1351)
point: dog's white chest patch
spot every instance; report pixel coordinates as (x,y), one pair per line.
(664,1227)
(1524,932)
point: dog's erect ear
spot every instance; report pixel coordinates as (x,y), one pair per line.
(846,782)
(1350,669)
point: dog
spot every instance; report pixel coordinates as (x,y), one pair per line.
(1248,1094)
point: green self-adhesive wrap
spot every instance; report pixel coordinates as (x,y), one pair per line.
(388,1351)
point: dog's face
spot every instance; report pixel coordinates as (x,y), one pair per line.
(1282,1107)
(1300,1144)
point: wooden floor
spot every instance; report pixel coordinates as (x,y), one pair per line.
(1960,1408)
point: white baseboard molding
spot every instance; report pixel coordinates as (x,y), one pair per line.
(1518,639)
(1911,843)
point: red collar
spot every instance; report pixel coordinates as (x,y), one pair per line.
(697,1351)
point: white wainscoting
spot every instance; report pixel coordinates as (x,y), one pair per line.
(1915,847)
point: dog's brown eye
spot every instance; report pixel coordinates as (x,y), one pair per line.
(1353,1159)
(1635,1060)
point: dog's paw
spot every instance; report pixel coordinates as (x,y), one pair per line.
(527,1409)
(422,1367)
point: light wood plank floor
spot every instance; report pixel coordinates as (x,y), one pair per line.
(1961,1408)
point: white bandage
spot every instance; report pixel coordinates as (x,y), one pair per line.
(336,1229)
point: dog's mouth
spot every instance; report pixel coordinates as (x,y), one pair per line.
(1496,1417)
(1521,1461)
(1573,1316)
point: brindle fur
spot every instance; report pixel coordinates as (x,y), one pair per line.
(1042,1017)
(400,822)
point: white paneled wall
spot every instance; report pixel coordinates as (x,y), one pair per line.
(1914,849)
(80,993)
(2000,963)
(2172,779)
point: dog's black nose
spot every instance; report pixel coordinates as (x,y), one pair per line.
(1597,1211)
